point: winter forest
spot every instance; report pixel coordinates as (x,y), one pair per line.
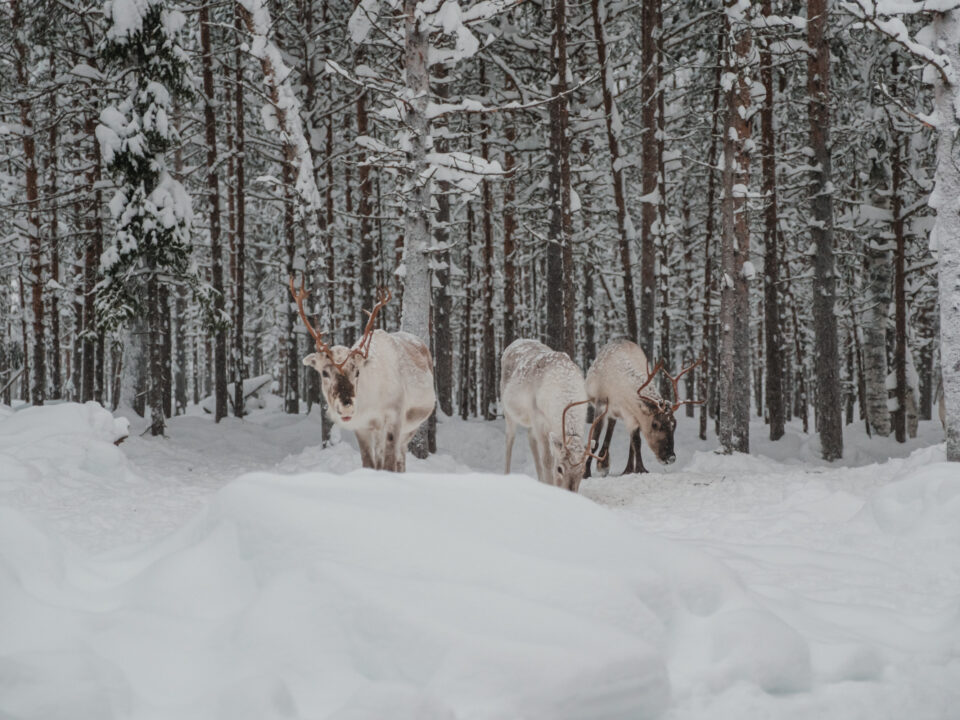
(272,245)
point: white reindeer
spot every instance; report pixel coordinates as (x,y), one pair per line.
(543,391)
(381,388)
(620,380)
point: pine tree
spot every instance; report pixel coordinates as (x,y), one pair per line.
(151,210)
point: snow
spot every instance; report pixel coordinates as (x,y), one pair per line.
(240,570)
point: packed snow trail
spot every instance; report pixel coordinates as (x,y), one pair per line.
(157,580)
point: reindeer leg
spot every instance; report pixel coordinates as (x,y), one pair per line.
(535,451)
(603,466)
(631,467)
(637,444)
(593,449)
(511,434)
(366,456)
(392,436)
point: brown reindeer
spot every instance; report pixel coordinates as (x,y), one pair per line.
(621,381)
(381,388)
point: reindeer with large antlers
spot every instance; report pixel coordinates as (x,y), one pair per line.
(381,388)
(543,391)
(621,381)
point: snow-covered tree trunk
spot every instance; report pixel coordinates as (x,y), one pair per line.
(22,54)
(945,240)
(826,357)
(735,239)
(415,317)
(650,172)
(625,231)
(877,299)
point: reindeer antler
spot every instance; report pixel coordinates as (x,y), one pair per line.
(650,375)
(593,426)
(363,347)
(676,391)
(300,296)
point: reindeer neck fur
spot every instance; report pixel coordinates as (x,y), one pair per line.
(620,368)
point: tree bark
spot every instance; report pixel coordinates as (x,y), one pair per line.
(772,320)
(649,61)
(558,278)
(829,417)
(706,348)
(239,308)
(735,249)
(625,231)
(876,292)
(899,297)
(216,246)
(415,317)
(22,62)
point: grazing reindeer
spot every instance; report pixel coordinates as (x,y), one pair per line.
(539,388)
(381,388)
(620,380)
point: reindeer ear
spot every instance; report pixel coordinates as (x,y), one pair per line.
(648,405)
(556,441)
(310,360)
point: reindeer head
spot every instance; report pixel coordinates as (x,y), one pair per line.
(657,421)
(339,367)
(569,454)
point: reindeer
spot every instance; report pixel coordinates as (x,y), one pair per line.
(538,388)
(381,388)
(620,380)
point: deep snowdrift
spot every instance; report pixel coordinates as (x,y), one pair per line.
(372,595)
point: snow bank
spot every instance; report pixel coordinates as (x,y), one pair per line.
(925,502)
(69,441)
(366,595)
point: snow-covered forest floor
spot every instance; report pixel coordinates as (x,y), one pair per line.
(240,571)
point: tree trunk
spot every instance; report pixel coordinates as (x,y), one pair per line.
(415,317)
(735,250)
(826,357)
(443,302)
(877,266)
(625,230)
(899,297)
(772,319)
(155,353)
(216,247)
(509,229)
(239,307)
(649,62)
(22,62)
(556,300)
(706,348)
(490,380)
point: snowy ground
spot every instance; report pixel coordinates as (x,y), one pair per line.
(240,571)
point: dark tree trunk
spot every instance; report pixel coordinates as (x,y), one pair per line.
(707,346)
(22,62)
(509,229)
(489,352)
(558,280)
(443,302)
(649,64)
(735,292)
(166,351)
(216,246)
(899,297)
(154,344)
(772,319)
(239,308)
(829,420)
